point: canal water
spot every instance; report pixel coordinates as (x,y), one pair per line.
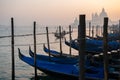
(22,70)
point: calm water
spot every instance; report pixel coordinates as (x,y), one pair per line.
(22,70)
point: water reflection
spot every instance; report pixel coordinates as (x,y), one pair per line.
(43,76)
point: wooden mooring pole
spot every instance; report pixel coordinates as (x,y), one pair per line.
(48,42)
(119,37)
(96,31)
(105,47)
(89,29)
(70,38)
(119,30)
(92,31)
(102,31)
(12,48)
(119,26)
(81,42)
(34,34)
(60,41)
(99,30)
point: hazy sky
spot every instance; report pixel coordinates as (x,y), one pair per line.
(54,12)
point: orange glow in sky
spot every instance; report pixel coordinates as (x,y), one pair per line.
(55,12)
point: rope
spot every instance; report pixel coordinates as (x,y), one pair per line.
(28,44)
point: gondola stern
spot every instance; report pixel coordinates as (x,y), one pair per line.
(20,54)
(30,52)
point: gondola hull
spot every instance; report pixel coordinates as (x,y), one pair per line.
(56,53)
(61,70)
(61,60)
(94,46)
(65,70)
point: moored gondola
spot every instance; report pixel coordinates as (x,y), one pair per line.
(62,60)
(56,53)
(67,70)
(63,70)
(93,46)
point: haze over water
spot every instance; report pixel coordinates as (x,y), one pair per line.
(54,12)
(44,12)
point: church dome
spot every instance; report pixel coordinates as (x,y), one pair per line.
(103,13)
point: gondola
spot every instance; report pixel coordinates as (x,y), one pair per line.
(61,60)
(90,47)
(56,53)
(113,63)
(57,35)
(62,70)
(90,61)
(112,57)
(93,46)
(63,33)
(68,72)
(111,37)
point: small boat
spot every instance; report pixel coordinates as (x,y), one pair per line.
(90,61)
(61,60)
(113,62)
(97,60)
(56,53)
(63,33)
(113,57)
(68,72)
(64,60)
(57,35)
(90,47)
(111,37)
(93,46)
(96,38)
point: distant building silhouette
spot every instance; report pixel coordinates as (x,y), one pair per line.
(97,19)
(75,23)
